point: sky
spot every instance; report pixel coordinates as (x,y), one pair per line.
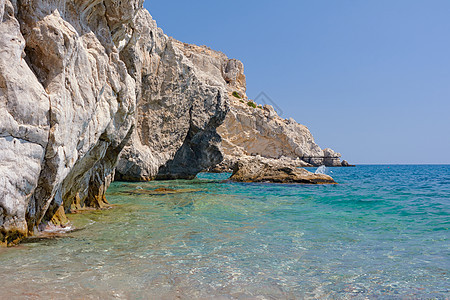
(370,79)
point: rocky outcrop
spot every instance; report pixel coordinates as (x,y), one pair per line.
(346,164)
(331,158)
(251,129)
(257,169)
(24,128)
(227,165)
(183,94)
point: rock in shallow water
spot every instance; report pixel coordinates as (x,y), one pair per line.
(259,170)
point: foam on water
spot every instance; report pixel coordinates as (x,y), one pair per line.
(321,170)
(381,233)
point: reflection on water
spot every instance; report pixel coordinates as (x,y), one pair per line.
(381,233)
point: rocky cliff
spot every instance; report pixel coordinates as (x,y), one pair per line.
(67,106)
(79,81)
(183,96)
(92,90)
(253,130)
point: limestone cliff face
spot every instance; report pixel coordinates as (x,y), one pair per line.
(255,130)
(182,95)
(71,74)
(68,106)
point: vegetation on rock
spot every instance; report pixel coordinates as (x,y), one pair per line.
(251,104)
(237,95)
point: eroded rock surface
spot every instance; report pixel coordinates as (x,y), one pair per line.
(251,130)
(227,165)
(24,128)
(68,107)
(257,169)
(85,82)
(183,94)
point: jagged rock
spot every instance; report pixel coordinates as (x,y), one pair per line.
(24,128)
(71,75)
(183,91)
(255,169)
(80,81)
(331,158)
(250,131)
(227,165)
(68,107)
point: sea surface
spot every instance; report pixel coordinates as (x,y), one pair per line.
(382,233)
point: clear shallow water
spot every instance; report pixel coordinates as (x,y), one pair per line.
(383,232)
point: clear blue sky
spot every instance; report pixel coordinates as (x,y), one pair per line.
(370,79)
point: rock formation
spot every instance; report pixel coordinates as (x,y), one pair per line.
(71,74)
(251,129)
(67,107)
(182,95)
(93,90)
(269,170)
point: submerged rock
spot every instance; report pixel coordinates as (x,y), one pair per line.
(161,191)
(260,170)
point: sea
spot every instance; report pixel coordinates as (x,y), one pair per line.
(381,233)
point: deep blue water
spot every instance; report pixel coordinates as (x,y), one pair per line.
(383,233)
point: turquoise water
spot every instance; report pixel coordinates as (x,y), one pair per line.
(383,233)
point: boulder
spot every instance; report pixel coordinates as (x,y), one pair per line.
(260,170)
(346,164)
(331,158)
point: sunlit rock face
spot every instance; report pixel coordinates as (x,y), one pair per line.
(182,94)
(82,80)
(94,90)
(24,127)
(68,106)
(251,130)
(258,169)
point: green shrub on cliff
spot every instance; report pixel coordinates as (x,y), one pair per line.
(251,104)
(237,95)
